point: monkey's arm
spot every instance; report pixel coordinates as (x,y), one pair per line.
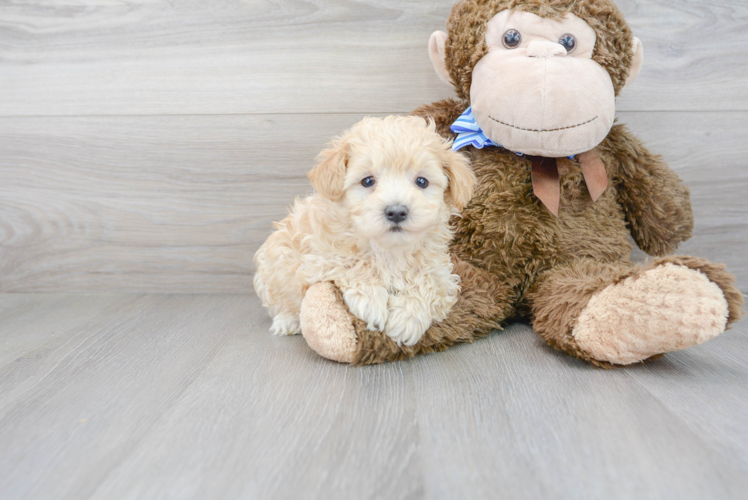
(444,113)
(655,201)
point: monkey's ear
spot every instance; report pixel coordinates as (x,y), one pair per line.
(436,53)
(328,177)
(636,64)
(461,179)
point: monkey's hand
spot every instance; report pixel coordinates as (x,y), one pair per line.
(655,201)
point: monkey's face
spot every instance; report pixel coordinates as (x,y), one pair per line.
(540,86)
(537,91)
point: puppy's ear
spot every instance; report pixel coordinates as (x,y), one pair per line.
(328,177)
(461,179)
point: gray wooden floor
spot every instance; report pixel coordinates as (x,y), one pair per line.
(188,396)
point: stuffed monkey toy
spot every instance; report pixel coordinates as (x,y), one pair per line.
(560,189)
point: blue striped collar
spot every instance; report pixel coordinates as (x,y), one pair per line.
(469,132)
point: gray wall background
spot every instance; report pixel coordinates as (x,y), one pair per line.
(145,146)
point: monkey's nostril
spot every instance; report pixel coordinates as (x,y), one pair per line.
(396,213)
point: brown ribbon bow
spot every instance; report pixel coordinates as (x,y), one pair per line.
(546,182)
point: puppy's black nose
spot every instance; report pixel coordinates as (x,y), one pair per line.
(396,213)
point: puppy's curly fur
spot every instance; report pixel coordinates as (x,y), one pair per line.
(377,227)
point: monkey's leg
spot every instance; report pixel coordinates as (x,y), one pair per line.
(484,303)
(618,314)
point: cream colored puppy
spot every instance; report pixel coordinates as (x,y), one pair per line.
(377,227)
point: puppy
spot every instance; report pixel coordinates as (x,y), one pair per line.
(377,227)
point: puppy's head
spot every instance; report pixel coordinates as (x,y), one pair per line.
(397,177)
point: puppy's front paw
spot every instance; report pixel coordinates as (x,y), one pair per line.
(285,324)
(369,305)
(408,320)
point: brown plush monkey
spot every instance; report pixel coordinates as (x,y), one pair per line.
(560,189)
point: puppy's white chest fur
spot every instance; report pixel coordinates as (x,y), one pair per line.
(396,269)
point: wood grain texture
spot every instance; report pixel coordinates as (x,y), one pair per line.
(166,203)
(321,56)
(91,392)
(535,423)
(190,397)
(146,146)
(181,203)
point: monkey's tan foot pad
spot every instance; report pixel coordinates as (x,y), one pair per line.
(327,325)
(664,309)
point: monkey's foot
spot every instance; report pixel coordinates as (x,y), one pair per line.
(326,324)
(663,309)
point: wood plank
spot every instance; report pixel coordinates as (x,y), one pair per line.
(190,397)
(535,423)
(72,434)
(271,419)
(61,326)
(180,204)
(162,203)
(710,379)
(33,323)
(328,56)
(75,410)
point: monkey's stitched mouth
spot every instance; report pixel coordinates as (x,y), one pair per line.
(540,130)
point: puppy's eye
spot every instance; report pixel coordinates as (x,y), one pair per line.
(512,39)
(422,182)
(569,42)
(368,182)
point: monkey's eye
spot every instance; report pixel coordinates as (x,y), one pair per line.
(569,42)
(422,182)
(368,182)
(512,39)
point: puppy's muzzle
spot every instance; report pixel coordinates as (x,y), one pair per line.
(396,213)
